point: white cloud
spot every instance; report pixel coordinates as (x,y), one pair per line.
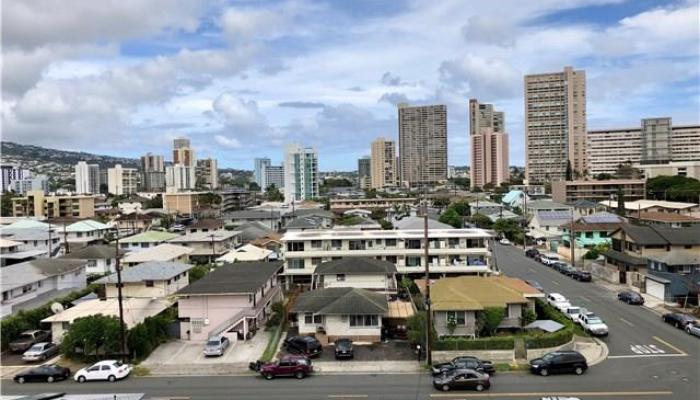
(227,143)
(489,30)
(493,78)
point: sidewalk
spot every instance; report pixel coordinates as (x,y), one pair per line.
(594,350)
(650,302)
(361,367)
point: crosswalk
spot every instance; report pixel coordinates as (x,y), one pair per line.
(646,349)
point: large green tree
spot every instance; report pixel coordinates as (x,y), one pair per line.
(6,210)
(674,188)
(509,228)
(487,321)
(451,217)
(481,221)
(272,193)
(92,337)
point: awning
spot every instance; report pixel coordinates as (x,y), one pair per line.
(400,309)
(546,325)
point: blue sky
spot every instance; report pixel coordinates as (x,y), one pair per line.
(242,78)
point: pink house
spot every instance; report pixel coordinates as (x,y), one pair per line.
(234,298)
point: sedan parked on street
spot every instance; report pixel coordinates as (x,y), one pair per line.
(558,362)
(43,373)
(344,349)
(107,370)
(462,379)
(464,362)
(693,329)
(40,352)
(679,320)
(216,346)
(630,297)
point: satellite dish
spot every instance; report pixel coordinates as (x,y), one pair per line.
(57,308)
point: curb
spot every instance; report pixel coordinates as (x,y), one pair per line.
(604,351)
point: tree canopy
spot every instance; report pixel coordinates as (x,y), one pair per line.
(92,337)
(674,188)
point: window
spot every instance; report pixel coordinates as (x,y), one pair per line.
(413,261)
(458,316)
(357,244)
(340,277)
(295,263)
(391,259)
(92,263)
(65,325)
(336,244)
(197,324)
(310,318)
(108,262)
(144,245)
(413,244)
(5,295)
(316,260)
(390,242)
(106,368)
(359,321)
(295,246)
(316,244)
(149,283)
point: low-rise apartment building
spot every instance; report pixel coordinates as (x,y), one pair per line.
(573,191)
(639,206)
(181,203)
(452,251)
(37,204)
(208,246)
(341,205)
(155,279)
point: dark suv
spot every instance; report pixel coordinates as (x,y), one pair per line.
(290,365)
(630,297)
(582,276)
(531,253)
(344,349)
(306,345)
(678,320)
(558,362)
(464,362)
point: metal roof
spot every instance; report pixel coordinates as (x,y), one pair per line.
(148,271)
(237,278)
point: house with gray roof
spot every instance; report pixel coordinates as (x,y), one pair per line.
(151,279)
(34,239)
(342,312)
(413,222)
(34,283)
(253,230)
(304,223)
(233,300)
(361,272)
(101,258)
(270,218)
(85,232)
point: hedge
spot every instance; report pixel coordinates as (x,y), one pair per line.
(539,341)
(490,343)
(24,320)
(143,338)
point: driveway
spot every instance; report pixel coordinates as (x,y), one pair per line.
(389,351)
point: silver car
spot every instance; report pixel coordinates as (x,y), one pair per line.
(693,329)
(40,352)
(216,346)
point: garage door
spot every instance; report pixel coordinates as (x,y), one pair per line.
(656,289)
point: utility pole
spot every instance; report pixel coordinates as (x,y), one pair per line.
(122,329)
(525,221)
(213,250)
(428,323)
(50,253)
(572,240)
(65,238)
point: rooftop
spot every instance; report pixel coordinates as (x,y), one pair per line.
(148,271)
(320,234)
(136,310)
(18,275)
(356,266)
(205,236)
(252,214)
(677,258)
(546,204)
(341,301)
(237,278)
(644,204)
(95,251)
(663,217)
(246,252)
(86,226)
(412,222)
(207,223)
(662,235)
(162,252)
(149,236)
(474,293)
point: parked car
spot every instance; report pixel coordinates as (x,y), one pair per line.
(573,313)
(558,362)
(531,253)
(582,276)
(592,324)
(216,346)
(558,301)
(630,297)
(679,320)
(464,362)
(563,268)
(298,366)
(462,379)
(28,339)
(43,373)
(40,352)
(306,345)
(107,370)
(535,285)
(344,349)
(549,259)
(504,242)
(693,329)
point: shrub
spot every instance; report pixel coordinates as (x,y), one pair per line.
(488,320)
(276,316)
(91,337)
(529,316)
(492,343)
(143,338)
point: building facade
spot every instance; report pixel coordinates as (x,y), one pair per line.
(274,175)
(259,171)
(422,144)
(37,204)
(121,181)
(489,145)
(364,174)
(153,168)
(12,173)
(180,177)
(87,178)
(569,192)
(208,173)
(300,173)
(383,168)
(185,203)
(183,153)
(22,186)
(555,124)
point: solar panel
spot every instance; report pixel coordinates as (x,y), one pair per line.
(601,218)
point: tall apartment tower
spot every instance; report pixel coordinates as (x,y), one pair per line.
(121,181)
(423,144)
(153,167)
(383,164)
(208,173)
(364,174)
(182,174)
(555,124)
(489,145)
(259,172)
(300,173)
(656,141)
(87,178)
(183,153)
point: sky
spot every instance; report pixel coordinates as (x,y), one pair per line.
(242,78)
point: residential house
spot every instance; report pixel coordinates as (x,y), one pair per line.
(130,224)
(356,272)
(247,252)
(485,208)
(145,240)
(205,225)
(35,241)
(638,206)
(546,205)
(34,283)
(153,279)
(208,246)
(271,241)
(100,258)
(587,207)
(162,252)
(590,230)
(271,219)
(83,233)
(412,222)
(305,223)
(515,198)
(231,298)
(341,312)
(671,220)
(253,230)
(12,252)
(674,277)
(461,299)
(547,225)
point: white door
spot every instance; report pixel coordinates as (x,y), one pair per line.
(656,289)
(105,372)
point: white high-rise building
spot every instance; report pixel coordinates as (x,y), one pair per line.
(121,181)
(300,173)
(87,178)
(260,165)
(180,177)
(208,173)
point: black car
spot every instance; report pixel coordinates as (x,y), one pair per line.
(344,349)
(558,362)
(678,320)
(462,379)
(531,253)
(44,373)
(582,276)
(630,297)
(535,285)
(306,345)
(464,362)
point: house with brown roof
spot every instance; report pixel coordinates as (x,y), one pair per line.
(670,220)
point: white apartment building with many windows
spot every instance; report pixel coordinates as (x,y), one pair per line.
(451,251)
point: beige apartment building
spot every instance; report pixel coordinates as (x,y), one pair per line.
(555,124)
(37,204)
(181,203)
(121,181)
(383,165)
(208,173)
(489,145)
(655,142)
(569,192)
(422,144)
(183,153)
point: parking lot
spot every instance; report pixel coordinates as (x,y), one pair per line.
(8,358)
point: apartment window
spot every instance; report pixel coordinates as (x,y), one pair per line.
(26,289)
(149,283)
(5,295)
(92,263)
(390,242)
(458,316)
(316,260)
(340,277)
(197,324)
(310,318)
(124,245)
(295,263)
(413,261)
(359,321)
(316,244)
(336,244)
(144,245)
(295,246)
(453,242)
(413,244)
(391,259)
(357,244)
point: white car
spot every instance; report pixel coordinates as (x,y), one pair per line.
(573,312)
(504,241)
(107,370)
(558,301)
(549,258)
(592,324)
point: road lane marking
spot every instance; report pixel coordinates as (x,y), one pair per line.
(541,394)
(646,349)
(555,282)
(584,298)
(658,339)
(627,322)
(646,356)
(347,396)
